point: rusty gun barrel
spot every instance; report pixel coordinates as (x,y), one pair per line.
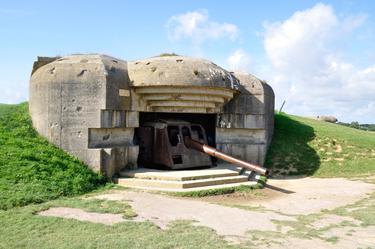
(195,145)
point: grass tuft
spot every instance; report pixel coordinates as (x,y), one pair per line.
(167,54)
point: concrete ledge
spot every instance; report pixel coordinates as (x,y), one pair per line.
(181,190)
(134,182)
(176,180)
(182,175)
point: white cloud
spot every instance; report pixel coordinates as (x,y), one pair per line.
(13,92)
(307,68)
(239,60)
(197,27)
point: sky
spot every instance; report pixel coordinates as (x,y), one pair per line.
(318,56)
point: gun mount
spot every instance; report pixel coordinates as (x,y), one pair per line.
(177,144)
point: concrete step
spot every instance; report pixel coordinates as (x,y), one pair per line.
(227,185)
(171,184)
(223,170)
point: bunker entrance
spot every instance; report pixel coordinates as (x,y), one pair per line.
(161,139)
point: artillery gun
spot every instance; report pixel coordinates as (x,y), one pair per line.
(176,144)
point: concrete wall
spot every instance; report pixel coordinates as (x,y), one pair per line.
(245,127)
(75,103)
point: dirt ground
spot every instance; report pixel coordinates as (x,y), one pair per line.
(299,196)
(298,213)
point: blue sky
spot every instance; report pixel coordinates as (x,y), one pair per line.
(318,56)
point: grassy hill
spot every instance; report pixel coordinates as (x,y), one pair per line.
(31,169)
(310,147)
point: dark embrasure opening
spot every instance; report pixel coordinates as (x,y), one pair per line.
(207,121)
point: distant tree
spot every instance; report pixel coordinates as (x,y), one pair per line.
(371,127)
(355,124)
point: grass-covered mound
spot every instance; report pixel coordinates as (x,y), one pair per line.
(311,147)
(31,169)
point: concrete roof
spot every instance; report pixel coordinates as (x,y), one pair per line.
(252,83)
(179,71)
(78,68)
(156,71)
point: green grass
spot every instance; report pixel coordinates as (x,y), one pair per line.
(34,171)
(21,228)
(167,55)
(93,205)
(310,147)
(31,169)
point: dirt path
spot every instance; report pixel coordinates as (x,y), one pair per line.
(291,213)
(301,196)
(161,210)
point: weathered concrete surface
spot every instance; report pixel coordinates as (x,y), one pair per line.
(90,104)
(71,95)
(180,71)
(248,120)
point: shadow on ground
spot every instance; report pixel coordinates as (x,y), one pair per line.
(290,152)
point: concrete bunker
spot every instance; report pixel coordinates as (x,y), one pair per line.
(92,106)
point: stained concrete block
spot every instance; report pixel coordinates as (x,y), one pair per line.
(110,137)
(245,104)
(133,152)
(119,119)
(240,136)
(112,118)
(132,119)
(74,138)
(94,159)
(253,153)
(247,121)
(113,160)
(108,166)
